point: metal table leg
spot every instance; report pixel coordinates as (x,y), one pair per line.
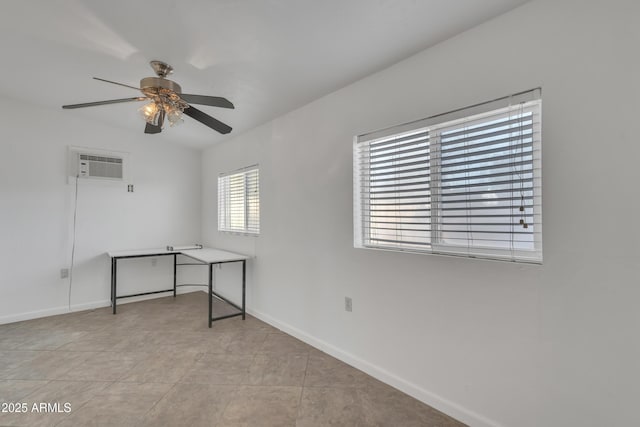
(210,293)
(175,266)
(244,281)
(114,281)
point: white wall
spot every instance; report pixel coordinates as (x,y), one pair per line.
(491,343)
(36,211)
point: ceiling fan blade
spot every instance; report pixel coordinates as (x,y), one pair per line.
(207,120)
(149,128)
(111,101)
(161,119)
(214,101)
(116,83)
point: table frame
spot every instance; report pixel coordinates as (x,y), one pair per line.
(242,309)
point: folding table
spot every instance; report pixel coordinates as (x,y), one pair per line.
(204,256)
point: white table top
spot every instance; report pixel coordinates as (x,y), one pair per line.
(140,252)
(205,255)
(211,255)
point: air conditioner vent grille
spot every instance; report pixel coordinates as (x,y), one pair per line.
(100,159)
(92,166)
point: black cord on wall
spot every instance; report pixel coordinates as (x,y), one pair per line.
(73,245)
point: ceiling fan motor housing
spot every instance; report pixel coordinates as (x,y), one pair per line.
(151,86)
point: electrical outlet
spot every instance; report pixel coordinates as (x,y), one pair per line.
(347,304)
(154,262)
(64,273)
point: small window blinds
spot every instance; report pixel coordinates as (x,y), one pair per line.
(464,183)
(239,201)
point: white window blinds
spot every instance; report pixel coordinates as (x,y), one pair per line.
(463,183)
(239,201)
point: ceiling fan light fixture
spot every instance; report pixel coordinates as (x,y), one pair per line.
(174,117)
(151,112)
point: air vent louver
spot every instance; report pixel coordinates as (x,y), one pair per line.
(91,166)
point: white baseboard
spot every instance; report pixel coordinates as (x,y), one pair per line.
(29,315)
(432,399)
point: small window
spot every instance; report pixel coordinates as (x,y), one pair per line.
(239,201)
(465,183)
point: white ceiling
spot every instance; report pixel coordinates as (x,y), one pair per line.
(266,56)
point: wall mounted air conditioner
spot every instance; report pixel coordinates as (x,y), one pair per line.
(92,163)
(91,166)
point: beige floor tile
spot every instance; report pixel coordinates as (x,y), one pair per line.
(107,411)
(162,367)
(278,369)
(118,405)
(11,339)
(99,341)
(15,390)
(50,340)
(119,322)
(262,406)
(60,322)
(243,341)
(214,341)
(220,369)
(192,405)
(180,338)
(9,328)
(105,366)
(253,324)
(55,395)
(384,405)
(11,359)
(137,341)
(49,365)
(203,341)
(150,390)
(280,343)
(326,371)
(249,324)
(34,417)
(331,406)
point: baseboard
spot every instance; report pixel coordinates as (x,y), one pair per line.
(432,399)
(29,315)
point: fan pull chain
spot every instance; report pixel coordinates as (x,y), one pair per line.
(523,221)
(523,214)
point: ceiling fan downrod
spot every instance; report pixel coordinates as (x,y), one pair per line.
(162,69)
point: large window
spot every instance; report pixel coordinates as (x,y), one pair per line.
(239,201)
(464,183)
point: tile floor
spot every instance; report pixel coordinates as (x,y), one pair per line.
(156,363)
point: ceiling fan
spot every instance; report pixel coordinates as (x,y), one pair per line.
(166,102)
